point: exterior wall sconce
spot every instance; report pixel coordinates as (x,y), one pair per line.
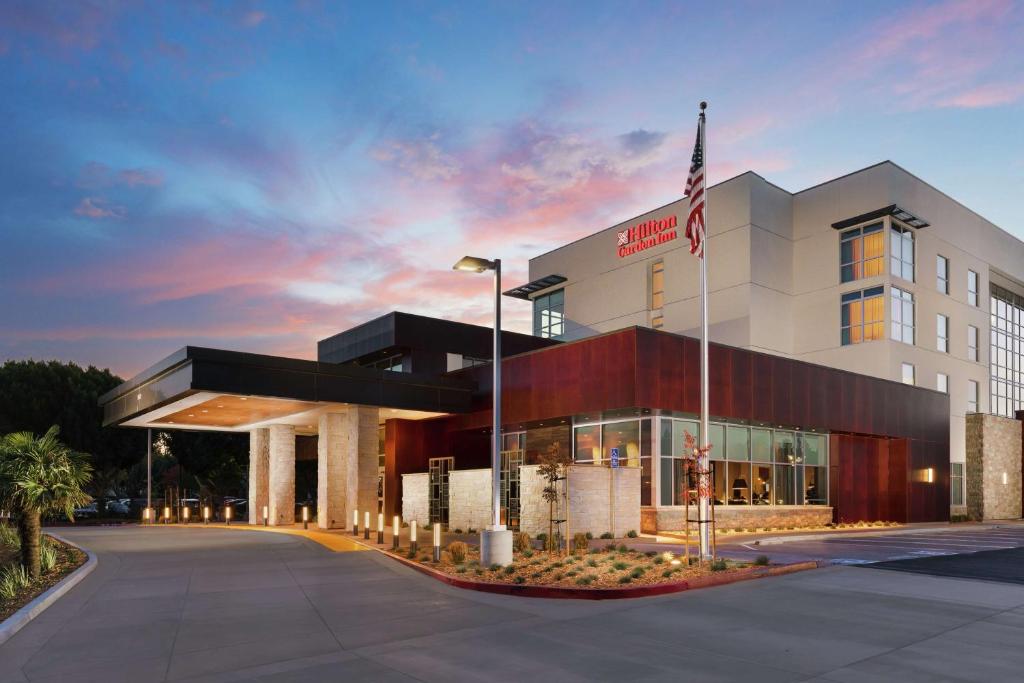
(305,516)
(1006,479)
(395,524)
(412,536)
(206,514)
(366,526)
(437,541)
(266,515)
(227,515)
(380,528)
(929,475)
(355,522)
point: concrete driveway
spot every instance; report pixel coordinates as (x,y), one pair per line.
(213,604)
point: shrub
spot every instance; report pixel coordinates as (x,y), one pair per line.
(623,548)
(571,572)
(527,553)
(610,547)
(659,559)
(651,553)
(13,578)
(589,536)
(410,554)
(9,537)
(542,537)
(637,572)
(591,563)
(510,569)
(478,571)
(607,534)
(470,530)
(457,550)
(457,531)
(584,580)
(620,566)
(718,565)
(580,542)
(495,567)
(631,534)
(521,542)
(520,579)
(625,579)
(47,555)
(461,570)
(536,575)
(667,573)
(761,560)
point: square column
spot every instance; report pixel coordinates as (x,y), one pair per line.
(336,486)
(259,466)
(362,447)
(282,474)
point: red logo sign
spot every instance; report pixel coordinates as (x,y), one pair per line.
(646,235)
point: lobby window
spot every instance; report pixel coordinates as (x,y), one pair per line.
(972,288)
(942,333)
(942,382)
(861,253)
(956,483)
(862,316)
(901,252)
(902,315)
(942,274)
(972,396)
(657,285)
(630,439)
(1006,352)
(972,343)
(907,371)
(549,315)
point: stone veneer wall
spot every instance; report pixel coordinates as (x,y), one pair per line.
(748,517)
(259,470)
(993,448)
(594,505)
(281,479)
(361,454)
(416,498)
(469,499)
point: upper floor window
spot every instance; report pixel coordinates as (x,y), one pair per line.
(908,373)
(861,253)
(942,382)
(862,316)
(942,274)
(901,252)
(549,315)
(972,288)
(972,396)
(902,315)
(942,333)
(657,285)
(972,343)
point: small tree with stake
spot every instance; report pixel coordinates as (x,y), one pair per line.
(552,468)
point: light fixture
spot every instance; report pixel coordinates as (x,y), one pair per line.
(138,397)
(474,264)
(191,414)
(1006,479)
(206,514)
(266,516)
(145,515)
(380,528)
(437,541)
(227,514)
(243,398)
(167,515)
(676,562)
(355,522)
(185,513)
(366,525)
(929,475)
(305,516)
(395,523)
(412,537)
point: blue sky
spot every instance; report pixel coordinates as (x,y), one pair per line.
(260,175)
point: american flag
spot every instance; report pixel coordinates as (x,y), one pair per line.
(695,191)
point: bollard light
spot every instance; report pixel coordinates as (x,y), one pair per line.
(145,515)
(305,516)
(366,526)
(412,536)
(395,522)
(227,514)
(185,514)
(266,516)
(380,528)
(206,514)
(437,541)
(167,515)
(355,522)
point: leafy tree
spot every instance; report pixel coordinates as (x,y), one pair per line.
(40,476)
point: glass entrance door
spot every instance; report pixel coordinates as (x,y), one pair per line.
(510,463)
(439,469)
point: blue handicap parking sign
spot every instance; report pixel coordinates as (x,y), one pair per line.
(615,456)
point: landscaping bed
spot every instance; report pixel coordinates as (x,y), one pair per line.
(66,559)
(610,567)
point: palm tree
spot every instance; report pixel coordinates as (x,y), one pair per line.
(40,477)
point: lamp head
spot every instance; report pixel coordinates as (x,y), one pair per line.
(473,264)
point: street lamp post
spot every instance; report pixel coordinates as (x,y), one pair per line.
(496,539)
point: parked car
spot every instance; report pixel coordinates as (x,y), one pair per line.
(117,507)
(86,511)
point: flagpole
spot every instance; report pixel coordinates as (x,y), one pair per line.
(705,430)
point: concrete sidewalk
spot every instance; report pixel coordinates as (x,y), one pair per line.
(226,605)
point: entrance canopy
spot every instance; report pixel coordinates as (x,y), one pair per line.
(201,388)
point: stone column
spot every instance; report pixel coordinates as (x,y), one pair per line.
(259,464)
(363,426)
(282,474)
(333,504)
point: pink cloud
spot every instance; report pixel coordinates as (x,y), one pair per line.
(95,175)
(253,18)
(98,208)
(991,95)
(140,176)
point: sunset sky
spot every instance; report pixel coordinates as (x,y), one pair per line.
(257,176)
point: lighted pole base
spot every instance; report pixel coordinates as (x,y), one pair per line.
(496,546)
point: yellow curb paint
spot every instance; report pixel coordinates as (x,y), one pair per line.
(334,542)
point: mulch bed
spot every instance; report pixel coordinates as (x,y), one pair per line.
(69,559)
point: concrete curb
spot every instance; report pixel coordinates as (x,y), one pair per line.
(23,616)
(563,593)
(867,533)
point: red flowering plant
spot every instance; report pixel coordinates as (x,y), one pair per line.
(693,459)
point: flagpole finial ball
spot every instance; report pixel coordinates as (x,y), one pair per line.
(703,106)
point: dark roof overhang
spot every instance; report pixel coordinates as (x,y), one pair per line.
(894,210)
(524,291)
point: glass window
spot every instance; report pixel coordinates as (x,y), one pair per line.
(902,315)
(625,437)
(956,483)
(810,449)
(815,489)
(901,252)
(942,274)
(862,316)
(972,288)
(549,315)
(942,333)
(942,382)
(761,445)
(718,474)
(972,396)
(785,447)
(679,429)
(785,485)
(972,343)
(1006,352)
(762,482)
(657,285)
(738,443)
(907,370)
(738,478)
(588,444)
(861,253)
(717,432)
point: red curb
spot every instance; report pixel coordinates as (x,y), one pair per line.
(563,593)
